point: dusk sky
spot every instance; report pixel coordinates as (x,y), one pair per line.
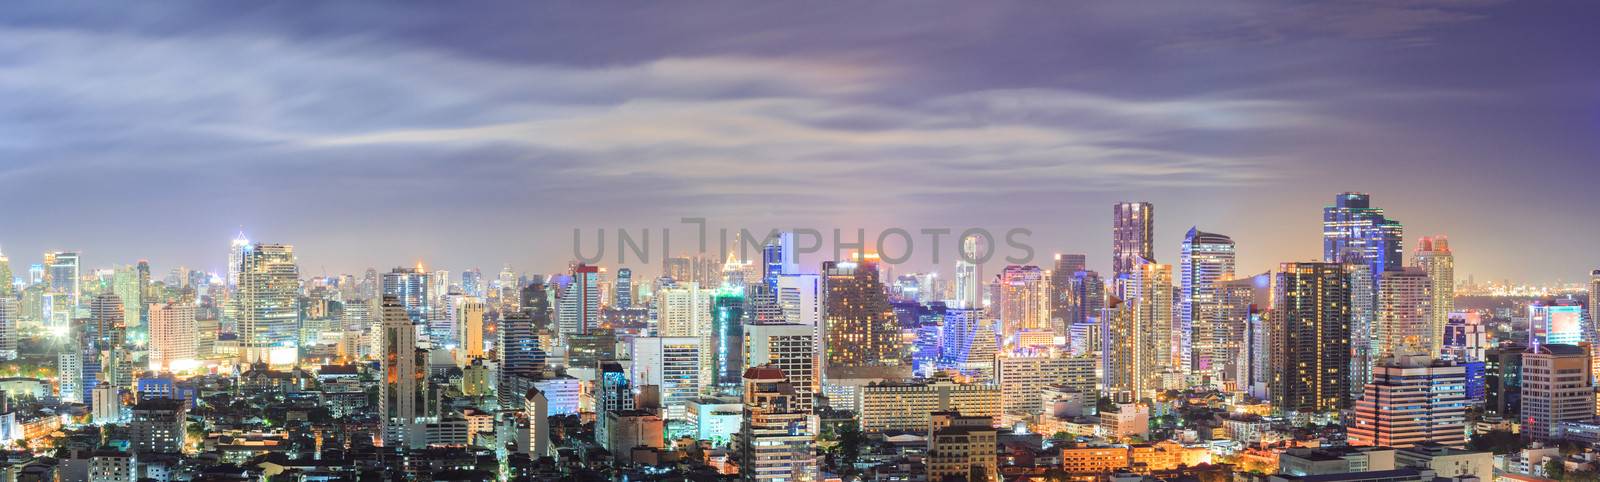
(373,134)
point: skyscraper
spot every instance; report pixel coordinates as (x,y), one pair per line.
(517,344)
(1310,331)
(969,275)
(10,314)
(236,252)
(671,363)
(1433,256)
(1206,259)
(579,310)
(268,313)
(472,283)
(1088,294)
(469,326)
(776,436)
(1063,305)
(788,347)
(727,336)
(7,281)
(1149,296)
(1405,312)
(624,289)
(404,371)
(800,298)
(1024,301)
(65,276)
(411,287)
(1594,297)
(1133,236)
(778,258)
(1351,224)
(861,337)
(1555,322)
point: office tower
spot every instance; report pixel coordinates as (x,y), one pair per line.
(1024,301)
(683,310)
(1413,399)
(672,363)
(1088,294)
(969,274)
(1205,260)
(1063,305)
(1132,236)
(172,334)
(1594,297)
(1503,380)
(157,426)
(1405,312)
(402,398)
(517,344)
(790,348)
(1352,225)
(1555,322)
(579,309)
(105,310)
(1310,331)
(962,447)
(106,404)
(268,313)
(778,259)
(472,283)
(1237,300)
(8,288)
(726,340)
(1557,386)
(908,405)
(10,315)
(860,336)
(800,298)
(65,276)
(775,434)
(962,329)
(624,288)
(236,254)
(469,326)
(1433,256)
(1149,295)
(411,287)
(125,284)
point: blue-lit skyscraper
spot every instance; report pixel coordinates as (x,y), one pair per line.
(727,337)
(777,258)
(1351,224)
(624,291)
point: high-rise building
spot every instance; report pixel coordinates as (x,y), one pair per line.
(472,283)
(778,259)
(1024,301)
(1206,260)
(1133,236)
(1434,257)
(1239,300)
(517,345)
(1351,224)
(1405,312)
(65,276)
(969,274)
(683,310)
(800,298)
(1088,294)
(1023,376)
(1310,338)
(402,397)
(860,336)
(469,326)
(10,315)
(672,363)
(1149,296)
(612,393)
(624,288)
(907,405)
(172,334)
(1555,322)
(579,310)
(412,288)
(788,347)
(1594,297)
(8,287)
(157,426)
(236,253)
(1365,344)
(1557,386)
(776,436)
(268,305)
(1063,305)
(1503,380)
(1124,362)
(726,340)
(1412,400)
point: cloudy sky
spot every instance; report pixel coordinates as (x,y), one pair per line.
(378,134)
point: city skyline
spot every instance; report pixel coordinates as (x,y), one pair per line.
(328,131)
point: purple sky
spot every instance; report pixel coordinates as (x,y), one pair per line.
(371,134)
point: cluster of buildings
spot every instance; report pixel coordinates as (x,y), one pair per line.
(1358,366)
